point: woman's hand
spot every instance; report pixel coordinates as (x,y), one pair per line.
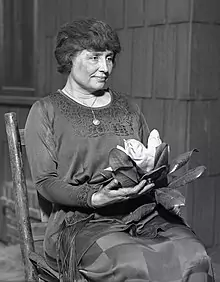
(110,194)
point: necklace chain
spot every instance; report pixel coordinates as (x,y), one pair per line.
(95,121)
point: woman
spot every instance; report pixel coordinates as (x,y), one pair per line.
(69,135)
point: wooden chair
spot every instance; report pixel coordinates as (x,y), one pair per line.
(35,266)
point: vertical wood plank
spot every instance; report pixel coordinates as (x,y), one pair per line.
(205,61)
(64,15)
(204,210)
(16,55)
(135,13)
(198,134)
(175,125)
(207,12)
(50,17)
(139,102)
(121,77)
(1,42)
(183,50)
(27,28)
(40,50)
(49,54)
(164,61)
(114,13)
(216,231)
(213,137)
(58,79)
(78,9)
(153,110)
(7,43)
(96,9)
(178,11)
(142,61)
(155,12)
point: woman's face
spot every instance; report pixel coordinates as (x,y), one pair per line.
(91,69)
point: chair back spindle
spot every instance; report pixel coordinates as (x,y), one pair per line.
(20,194)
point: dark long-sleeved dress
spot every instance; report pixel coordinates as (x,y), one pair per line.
(67,153)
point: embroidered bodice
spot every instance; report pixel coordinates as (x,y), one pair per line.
(67,152)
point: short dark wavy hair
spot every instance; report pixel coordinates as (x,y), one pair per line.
(81,34)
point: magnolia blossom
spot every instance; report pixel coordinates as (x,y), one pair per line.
(142,156)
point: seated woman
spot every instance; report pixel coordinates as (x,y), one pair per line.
(96,231)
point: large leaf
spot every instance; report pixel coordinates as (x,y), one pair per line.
(139,213)
(188,177)
(161,156)
(181,160)
(119,159)
(169,198)
(126,177)
(154,174)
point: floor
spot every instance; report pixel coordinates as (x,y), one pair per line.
(11,268)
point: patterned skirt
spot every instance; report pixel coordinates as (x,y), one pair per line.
(106,249)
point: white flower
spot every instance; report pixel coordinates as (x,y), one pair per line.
(142,156)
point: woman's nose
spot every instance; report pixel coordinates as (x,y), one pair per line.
(103,65)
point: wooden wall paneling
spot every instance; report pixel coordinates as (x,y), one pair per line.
(213,137)
(178,11)
(51,9)
(135,13)
(205,61)
(207,12)
(96,9)
(41,69)
(16,37)
(189,205)
(114,13)
(64,9)
(78,9)
(58,80)
(40,49)
(204,209)
(1,41)
(121,77)
(155,12)
(216,181)
(183,58)
(175,126)
(199,131)
(27,37)
(164,61)
(142,61)
(48,72)
(139,102)
(7,44)
(153,110)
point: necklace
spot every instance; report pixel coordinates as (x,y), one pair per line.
(95,121)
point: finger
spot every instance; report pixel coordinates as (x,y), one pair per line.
(146,188)
(137,188)
(112,184)
(130,191)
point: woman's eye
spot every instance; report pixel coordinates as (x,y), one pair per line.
(109,59)
(95,58)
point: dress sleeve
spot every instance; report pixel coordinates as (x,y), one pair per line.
(42,157)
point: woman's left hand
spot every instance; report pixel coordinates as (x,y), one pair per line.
(110,194)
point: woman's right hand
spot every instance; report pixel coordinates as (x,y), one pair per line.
(110,193)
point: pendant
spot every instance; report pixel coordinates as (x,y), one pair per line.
(96,121)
